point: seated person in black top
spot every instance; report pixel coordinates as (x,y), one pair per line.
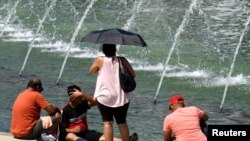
(74,126)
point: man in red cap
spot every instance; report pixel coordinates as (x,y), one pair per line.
(184,122)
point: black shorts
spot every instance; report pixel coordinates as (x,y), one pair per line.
(120,113)
(90,135)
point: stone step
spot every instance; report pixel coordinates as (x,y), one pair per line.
(8,137)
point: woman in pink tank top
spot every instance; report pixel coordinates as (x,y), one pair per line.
(111,100)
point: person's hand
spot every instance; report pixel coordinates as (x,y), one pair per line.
(76,94)
(77,129)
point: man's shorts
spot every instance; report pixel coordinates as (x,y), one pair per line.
(91,135)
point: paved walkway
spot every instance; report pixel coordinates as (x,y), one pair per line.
(8,137)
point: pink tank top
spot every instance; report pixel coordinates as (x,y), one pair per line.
(108,90)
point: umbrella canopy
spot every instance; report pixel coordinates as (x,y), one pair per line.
(114,36)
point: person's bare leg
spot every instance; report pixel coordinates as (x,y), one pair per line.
(117,139)
(54,127)
(71,137)
(102,138)
(108,130)
(124,131)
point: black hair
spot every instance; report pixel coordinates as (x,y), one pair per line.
(109,50)
(35,84)
(72,88)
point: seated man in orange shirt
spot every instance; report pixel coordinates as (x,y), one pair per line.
(184,122)
(26,122)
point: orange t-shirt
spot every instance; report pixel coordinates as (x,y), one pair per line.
(184,124)
(26,111)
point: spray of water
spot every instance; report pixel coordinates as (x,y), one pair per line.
(73,38)
(185,21)
(36,33)
(232,65)
(136,10)
(12,12)
(130,21)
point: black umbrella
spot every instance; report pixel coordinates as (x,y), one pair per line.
(114,36)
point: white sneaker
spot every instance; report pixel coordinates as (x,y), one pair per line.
(47,137)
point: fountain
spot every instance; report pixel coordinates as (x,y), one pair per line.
(11,13)
(78,27)
(52,4)
(129,23)
(198,36)
(234,59)
(192,6)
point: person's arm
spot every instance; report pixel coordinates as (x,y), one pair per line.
(96,65)
(52,110)
(204,117)
(168,136)
(77,129)
(167,130)
(45,105)
(128,66)
(78,94)
(62,127)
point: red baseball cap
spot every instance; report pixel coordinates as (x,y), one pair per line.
(176,99)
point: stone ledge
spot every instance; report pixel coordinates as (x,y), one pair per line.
(8,137)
